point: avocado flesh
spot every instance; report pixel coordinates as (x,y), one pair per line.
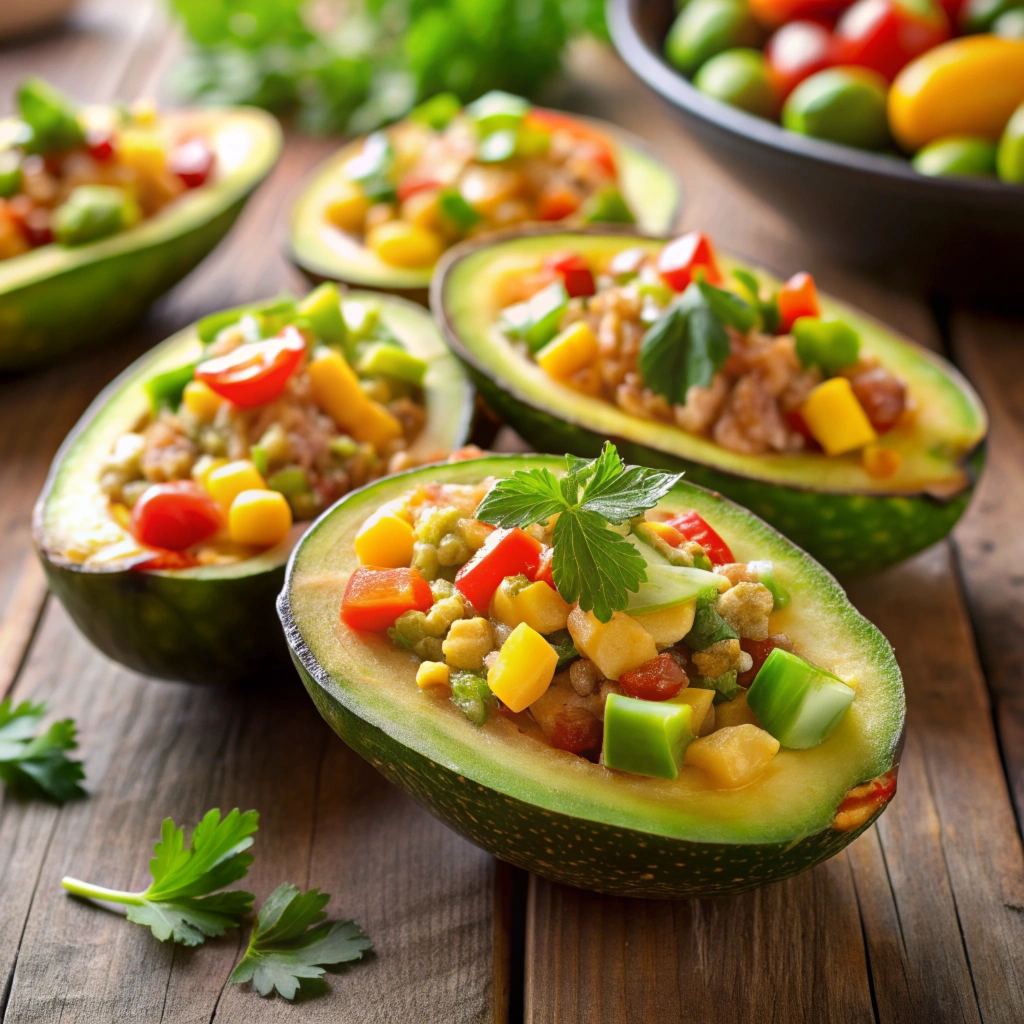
(852,522)
(189,624)
(56,300)
(640,836)
(325,252)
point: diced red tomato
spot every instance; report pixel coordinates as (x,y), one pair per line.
(577,730)
(658,679)
(759,651)
(797,51)
(412,183)
(256,372)
(679,261)
(694,528)
(192,161)
(574,271)
(543,573)
(599,149)
(174,516)
(101,144)
(557,203)
(886,35)
(505,553)
(374,598)
(797,297)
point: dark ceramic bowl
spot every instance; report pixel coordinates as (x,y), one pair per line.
(955,237)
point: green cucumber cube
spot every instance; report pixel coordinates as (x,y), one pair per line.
(607,207)
(454,209)
(383,360)
(546,309)
(830,344)
(322,308)
(646,737)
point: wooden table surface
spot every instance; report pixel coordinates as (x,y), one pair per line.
(922,919)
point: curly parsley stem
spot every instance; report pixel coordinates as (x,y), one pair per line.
(98,892)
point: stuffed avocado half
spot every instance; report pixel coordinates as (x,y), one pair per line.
(859,445)
(381,211)
(169,512)
(102,210)
(595,747)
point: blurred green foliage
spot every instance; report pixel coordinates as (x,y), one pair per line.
(352,66)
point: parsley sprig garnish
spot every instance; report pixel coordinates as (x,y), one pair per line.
(183,903)
(291,942)
(592,563)
(37,765)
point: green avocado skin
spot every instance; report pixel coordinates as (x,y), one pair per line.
(63,313)
(850,534)
(178,628)
(591,855)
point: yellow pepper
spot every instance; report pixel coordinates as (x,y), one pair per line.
(836,419)
(524,669)
(347,208)
(538,605)
(201,400)
(386,541)
(402,244)
(336,390)
(968,86)
(572,350)
(226,482)
(261,518)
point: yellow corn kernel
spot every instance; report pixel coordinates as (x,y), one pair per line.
(700,701)
(616,646)
(201,400)
(347,209)
(880,462)
(261,518)
(524,669)
(836,419)
(143,151)
(203,467)
(226,482)
(431,674)
(669,625)
(733,756)
(385,541)
(568,352)
(336,390)
(540,606)
(402,244)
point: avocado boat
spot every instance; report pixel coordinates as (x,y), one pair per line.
(643,190)
(55,300)
(850,519)
(563,816)
(185,623)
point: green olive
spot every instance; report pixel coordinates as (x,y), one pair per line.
(1010,158)
(845,105)
(740,78)
(957,156)
(706,27)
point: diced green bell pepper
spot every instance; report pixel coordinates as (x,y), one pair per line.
(471,695)
(260,458)
(497,111)
(606,206)
(322,308)
(830,344)
(383,360)
(51,117)
(765,573)
(437,112)
(797,702)
(646,737)
(455,210)
(93,212)
(290,481)
(536,320)
(361,319)
(10,173)
(708,627)
(164,391)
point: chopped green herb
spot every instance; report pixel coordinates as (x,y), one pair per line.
(35,765)
(472,696)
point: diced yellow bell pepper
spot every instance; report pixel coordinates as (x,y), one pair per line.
(431,674)
(616,646)
(401,244)
(572,350)
(701,702)
(201,400)
(540,606)
(880,462)
(226,482)
(261,518)
(143,151)
(835,418)
(733,756)
(670,625)
(348,206)
(336,390)
(524,669)
(203,467)
(386,541)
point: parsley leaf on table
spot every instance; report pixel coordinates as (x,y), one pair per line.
(289,945)
(182,902)
(36,765)
(592,564)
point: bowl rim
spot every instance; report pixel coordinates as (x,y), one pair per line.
(673,87)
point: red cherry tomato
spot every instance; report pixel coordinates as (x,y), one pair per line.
(174,516)
(101,144)
(886,35)
(694,528)
(192,161)
(661,678)
(797,51)
(255,373)
(778,12)
(413,183)
(679,260)
(557,203)
(598,149)
(543,573)
(574,271)
(797,297)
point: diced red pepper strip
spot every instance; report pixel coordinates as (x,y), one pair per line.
(679,261)
(374,598)
(693,527)
(174,516)
(797,297)
(505,553)
(543,573)
(192,161)
(413,183)
(574,271)
(661,678)
(101,144)
(557,203)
